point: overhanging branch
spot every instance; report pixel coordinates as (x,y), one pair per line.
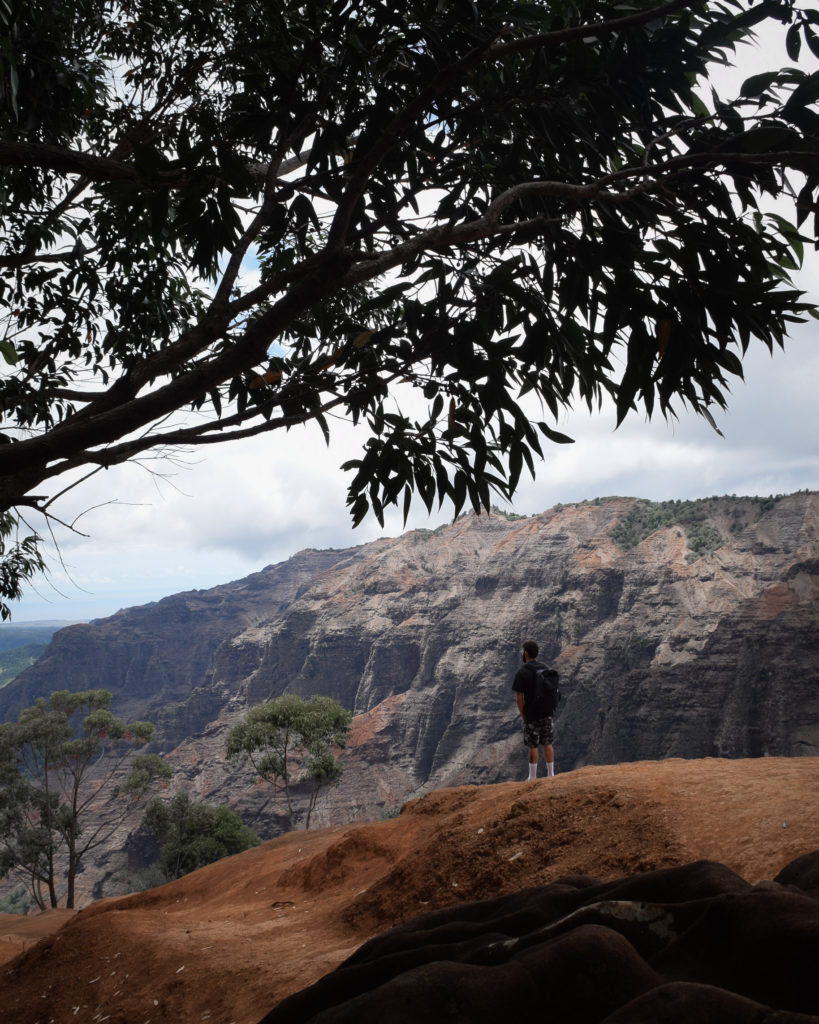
(566,35)
(66,161)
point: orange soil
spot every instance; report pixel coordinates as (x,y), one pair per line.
(228,942)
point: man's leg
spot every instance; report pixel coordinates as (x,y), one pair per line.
(530,741)
(549,757)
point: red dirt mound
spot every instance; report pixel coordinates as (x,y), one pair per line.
(227,943)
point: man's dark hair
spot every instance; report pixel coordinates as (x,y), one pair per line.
(531,648)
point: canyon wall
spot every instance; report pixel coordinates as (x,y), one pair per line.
(695,639)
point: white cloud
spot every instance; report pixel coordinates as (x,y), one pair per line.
(234,508)
(249,504)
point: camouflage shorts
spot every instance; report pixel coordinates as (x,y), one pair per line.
(539,733)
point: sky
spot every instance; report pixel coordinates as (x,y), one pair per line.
(242,506)
(157,528)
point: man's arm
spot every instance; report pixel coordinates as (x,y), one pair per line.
(519,698)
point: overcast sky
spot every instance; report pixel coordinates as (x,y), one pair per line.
(243,506)
(233,509)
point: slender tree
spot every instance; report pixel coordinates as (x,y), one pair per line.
(70,777)
(226,219)
(290,741)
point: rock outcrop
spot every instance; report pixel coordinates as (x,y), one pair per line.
(679,944)
(663,650)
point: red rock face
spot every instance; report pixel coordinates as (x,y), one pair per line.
(662,653)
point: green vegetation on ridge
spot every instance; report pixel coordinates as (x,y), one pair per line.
(702,537)
(14,661)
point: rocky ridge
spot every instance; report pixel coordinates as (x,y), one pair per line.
(662,653)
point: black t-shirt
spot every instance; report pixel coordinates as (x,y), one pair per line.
(524,682)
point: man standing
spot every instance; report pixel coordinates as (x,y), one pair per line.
(535,705)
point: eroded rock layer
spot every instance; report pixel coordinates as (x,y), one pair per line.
(695,639)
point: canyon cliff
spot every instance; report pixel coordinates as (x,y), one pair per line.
(697,638)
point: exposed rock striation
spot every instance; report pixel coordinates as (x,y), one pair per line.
(158,659)
(661,652)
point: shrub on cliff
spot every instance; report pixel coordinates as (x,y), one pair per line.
(291,741)
(194,834)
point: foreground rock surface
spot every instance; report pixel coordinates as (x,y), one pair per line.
(232,941)
(690,943)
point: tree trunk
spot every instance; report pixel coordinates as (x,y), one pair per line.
(72,874)
(52,888)
(311,805)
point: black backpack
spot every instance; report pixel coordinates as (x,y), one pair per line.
(547,691)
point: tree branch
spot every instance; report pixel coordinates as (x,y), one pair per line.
(211,432)
(274,170)
(67,161)
(25,463)
(23,259)
(366,164)
(787,157)
(566,35)
(78,396)
(363,168)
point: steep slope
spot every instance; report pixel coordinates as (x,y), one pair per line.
(229,942)
(663,651)
(660,655)
(157,656)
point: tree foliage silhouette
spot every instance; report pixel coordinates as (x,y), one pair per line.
(236,218)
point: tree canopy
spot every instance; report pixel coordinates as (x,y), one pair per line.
(65,757)
(290,741)
(226,219)
(193,834)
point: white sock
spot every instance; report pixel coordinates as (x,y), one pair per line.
(550,768)
(532,771)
